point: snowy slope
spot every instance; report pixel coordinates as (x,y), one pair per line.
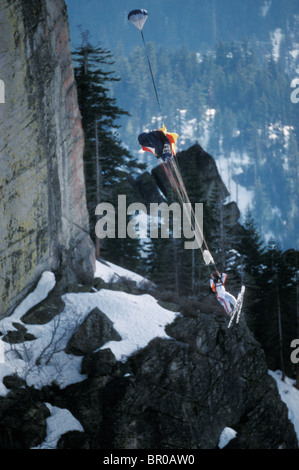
(137,318)
(110,272)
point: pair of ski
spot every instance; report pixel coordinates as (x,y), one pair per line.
(238,308)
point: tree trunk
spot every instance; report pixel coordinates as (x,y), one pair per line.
(297,377)
(98,176)
(280,337)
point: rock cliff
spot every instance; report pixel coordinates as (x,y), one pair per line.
(43,214)
(195,161)
(178,392)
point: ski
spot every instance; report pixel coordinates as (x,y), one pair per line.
(236,313)
(232,316)
(241,303)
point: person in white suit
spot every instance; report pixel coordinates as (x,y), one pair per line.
(217,284)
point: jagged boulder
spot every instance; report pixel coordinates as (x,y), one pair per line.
(19,335)
(22,420)
(73,440)
(98,363)
(203,165)
(148,191)
(151,186)
(96,330)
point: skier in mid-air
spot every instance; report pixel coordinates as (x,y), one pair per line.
(227,300)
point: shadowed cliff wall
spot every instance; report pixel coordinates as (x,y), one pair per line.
(43,215)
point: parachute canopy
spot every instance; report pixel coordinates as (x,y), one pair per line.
(138,18)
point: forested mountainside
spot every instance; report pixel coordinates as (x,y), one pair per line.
(224,81)
(237,106)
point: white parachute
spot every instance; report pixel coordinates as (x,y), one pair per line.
(138,18)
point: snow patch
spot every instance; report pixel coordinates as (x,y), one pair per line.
(60,422)
(295,52)
(228,167)
(42,361)
(110,272)
(276,38)
(226,436)
(210,113)
(290,396)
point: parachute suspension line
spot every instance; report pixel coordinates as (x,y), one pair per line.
(188,200)
(174,183)
(171,170)
(183,198)
(194,223)
(151,71)
(138,19)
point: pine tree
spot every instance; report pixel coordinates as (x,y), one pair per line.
(278,307)
(252,246)
(107,163)
(271,295)
(251,249)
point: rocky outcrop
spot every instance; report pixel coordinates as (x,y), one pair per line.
(147,190)
(23,419)
(176,393)
(181,393)
(154,187)
(96,330)
(203,168)
(44,220)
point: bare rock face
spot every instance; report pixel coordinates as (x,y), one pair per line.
(23,420)
(202,166)
(43,215)
(96,330)
(180,393)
